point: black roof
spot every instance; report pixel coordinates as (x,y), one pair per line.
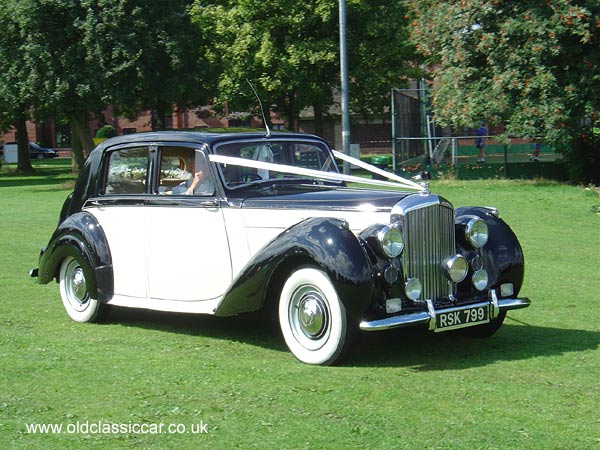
(199,137)
(87,180)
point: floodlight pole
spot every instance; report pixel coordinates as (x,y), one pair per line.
(345,88)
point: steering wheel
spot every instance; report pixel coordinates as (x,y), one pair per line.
(245,178)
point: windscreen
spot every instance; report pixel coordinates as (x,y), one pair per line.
(304,154)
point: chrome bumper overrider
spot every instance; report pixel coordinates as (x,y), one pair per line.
(429,317)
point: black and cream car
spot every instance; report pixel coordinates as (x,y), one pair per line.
(226,224)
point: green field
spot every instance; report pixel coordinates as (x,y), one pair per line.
(231,383)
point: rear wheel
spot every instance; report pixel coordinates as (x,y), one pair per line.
(75,294)
(314,322)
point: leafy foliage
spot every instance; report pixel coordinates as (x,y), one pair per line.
(285,48)
(290,50)
(72,57)
(530,65)
(15,96)
(381,56)
(107,131)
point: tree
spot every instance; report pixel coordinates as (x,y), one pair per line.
(81,55)
(284,48)
(15,99)
(381,56)
(170,64)
(290,50)
(59,71)
(530,65)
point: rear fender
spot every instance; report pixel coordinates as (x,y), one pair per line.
(80,236)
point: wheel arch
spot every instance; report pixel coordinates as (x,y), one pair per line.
(278,278)
(326,243)
(80,236)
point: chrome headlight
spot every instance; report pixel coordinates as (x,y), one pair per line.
(391,241)
(456,268)
(476,232)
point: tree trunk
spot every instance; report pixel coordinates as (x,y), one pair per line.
(292,116)
(24,160)
(318,110)
(76,149)
(155,122)
(159,116)
(81,131)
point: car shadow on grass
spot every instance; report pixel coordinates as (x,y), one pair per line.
(414,348)
(253,329)
(425,351)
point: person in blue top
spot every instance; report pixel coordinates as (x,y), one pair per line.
(535,156)
(480,142)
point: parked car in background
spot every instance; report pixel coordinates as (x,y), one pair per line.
(226,224)
(36,151)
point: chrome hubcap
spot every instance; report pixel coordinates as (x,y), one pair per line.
(309,314)
(312,315)
(78,284)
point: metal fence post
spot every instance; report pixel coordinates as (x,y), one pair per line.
(505,160)
(394,143)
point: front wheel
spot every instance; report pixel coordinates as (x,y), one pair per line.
(75,294)
(314,322)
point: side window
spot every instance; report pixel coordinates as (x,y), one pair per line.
(127,172)
(184,171)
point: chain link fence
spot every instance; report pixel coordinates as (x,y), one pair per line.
(418,143)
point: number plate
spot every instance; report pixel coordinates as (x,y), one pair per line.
(450,320)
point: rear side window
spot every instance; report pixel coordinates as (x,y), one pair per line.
(184,171)
(127,172)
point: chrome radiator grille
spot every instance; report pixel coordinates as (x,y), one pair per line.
(429,239)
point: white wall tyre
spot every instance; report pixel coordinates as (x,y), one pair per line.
(313,321)
(74,292)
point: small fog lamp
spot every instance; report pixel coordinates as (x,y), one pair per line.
(480,279)
(390,274)
(413,288)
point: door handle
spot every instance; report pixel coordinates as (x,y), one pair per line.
(209,203)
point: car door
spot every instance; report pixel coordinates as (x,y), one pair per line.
(187,251)
(119,209)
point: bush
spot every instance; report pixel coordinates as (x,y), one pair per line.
(107,131)
(582,158)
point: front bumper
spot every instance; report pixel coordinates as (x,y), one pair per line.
(428,317)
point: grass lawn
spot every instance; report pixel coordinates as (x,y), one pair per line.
(534,385)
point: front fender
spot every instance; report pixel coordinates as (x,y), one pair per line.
(502,254)
(80,235)
(325,242)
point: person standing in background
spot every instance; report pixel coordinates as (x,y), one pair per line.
(480,142)
(535,156)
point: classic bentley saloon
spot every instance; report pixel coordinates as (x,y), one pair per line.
(226,224)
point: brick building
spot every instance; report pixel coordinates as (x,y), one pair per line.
(372,137)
